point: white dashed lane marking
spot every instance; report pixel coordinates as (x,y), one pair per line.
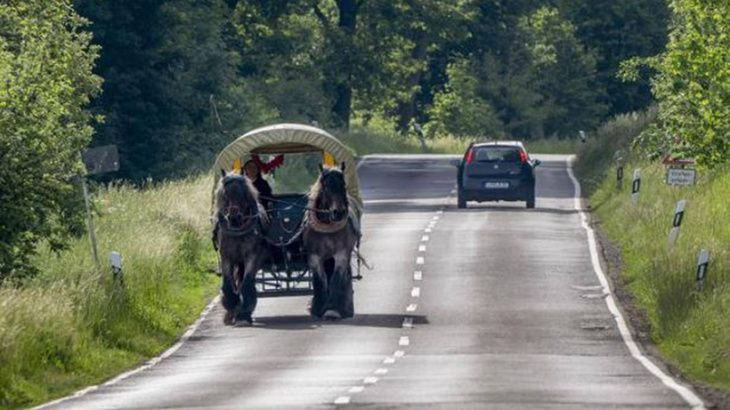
(342,400)
(404,340)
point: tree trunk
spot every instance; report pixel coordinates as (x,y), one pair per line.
(406,110)
(343,84)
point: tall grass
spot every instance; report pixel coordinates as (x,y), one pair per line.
(690,327)
(71,325)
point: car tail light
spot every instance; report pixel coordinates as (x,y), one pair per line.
(470,156)
(523,157)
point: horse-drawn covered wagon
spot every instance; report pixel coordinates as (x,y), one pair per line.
(277,233)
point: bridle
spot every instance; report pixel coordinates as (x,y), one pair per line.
(234,210)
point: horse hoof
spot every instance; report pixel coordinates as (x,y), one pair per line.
(243,323)
(332,315)
(228,319)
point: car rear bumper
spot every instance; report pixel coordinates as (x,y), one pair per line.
(518,190)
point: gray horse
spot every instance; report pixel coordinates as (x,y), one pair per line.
(329,238)
(238,239)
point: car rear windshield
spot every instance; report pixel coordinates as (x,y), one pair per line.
(497,154)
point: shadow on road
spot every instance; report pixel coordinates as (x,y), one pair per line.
(302,322)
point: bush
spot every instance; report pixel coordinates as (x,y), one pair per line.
(46,80)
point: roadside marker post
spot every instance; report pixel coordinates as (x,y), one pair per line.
(703,262)
(636,186)
(99,160)
(618,158)
(115,260)
(676,222)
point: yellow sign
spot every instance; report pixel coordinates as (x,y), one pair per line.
(329,160)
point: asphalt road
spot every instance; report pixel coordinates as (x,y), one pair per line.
(494,306)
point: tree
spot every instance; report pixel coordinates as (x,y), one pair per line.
(693,83)
(618,30)
(565,74)
(46,81)
(165,63)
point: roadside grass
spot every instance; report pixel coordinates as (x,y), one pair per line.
(691,328)
(72,326)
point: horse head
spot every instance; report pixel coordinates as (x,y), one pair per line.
(331,191)
(236,200)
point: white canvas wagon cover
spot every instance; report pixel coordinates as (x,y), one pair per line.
(289,139)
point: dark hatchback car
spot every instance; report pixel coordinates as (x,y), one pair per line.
(496,171)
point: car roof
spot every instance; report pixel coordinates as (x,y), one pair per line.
(499,143)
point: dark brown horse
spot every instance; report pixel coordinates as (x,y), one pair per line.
(239,241)
(329,239)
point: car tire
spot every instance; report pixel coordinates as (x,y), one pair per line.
(531,199)
(460,201)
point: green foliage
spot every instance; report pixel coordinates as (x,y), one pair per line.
(461,109)
(538,80)
(46,80)
(72,326)
(167,69)
(617,30)
(693,84)
(565,74)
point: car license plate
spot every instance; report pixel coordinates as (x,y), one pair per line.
(497,185)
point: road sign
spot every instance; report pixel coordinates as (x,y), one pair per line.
(681,176)
(703,262)
(100,160)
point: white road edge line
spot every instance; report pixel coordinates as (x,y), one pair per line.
(356,389)
(148,364)
(688,395)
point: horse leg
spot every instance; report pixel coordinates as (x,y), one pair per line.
(340,289)
(230,299)
(319,282)
(248,292)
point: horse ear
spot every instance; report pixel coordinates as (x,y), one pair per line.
(342,168)
(321,168)
(223,173)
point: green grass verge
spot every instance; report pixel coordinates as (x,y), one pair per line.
(691,328)
(72,326)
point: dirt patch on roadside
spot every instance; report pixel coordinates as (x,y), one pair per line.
(639,324)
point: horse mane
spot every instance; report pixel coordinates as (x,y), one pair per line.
(316,188)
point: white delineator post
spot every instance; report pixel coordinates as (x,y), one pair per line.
(676,222)
(636,186)
(703,262)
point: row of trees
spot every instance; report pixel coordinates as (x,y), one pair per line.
(182,77)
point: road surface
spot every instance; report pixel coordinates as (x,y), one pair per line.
(494,306)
